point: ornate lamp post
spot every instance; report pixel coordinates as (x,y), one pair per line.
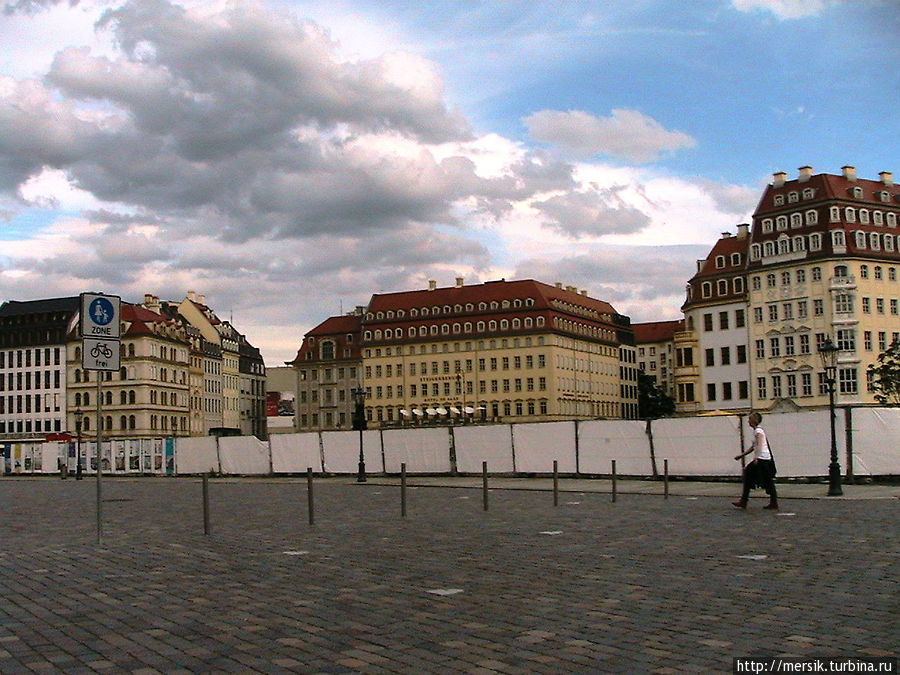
(360,424)
(829,351)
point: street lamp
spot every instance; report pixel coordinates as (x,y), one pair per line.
(829,352)
(360,424)
(78,468)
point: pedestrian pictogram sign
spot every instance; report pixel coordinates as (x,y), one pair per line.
(100,316)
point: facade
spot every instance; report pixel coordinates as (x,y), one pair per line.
(33,366)
(171,381)
(715,314)
(823,264)
(497,351)
(327,369)
(252,370)
(655,343)
(150,394)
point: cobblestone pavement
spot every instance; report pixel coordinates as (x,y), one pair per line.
(644,584)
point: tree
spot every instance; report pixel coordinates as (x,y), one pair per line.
(886,375)
(653,402)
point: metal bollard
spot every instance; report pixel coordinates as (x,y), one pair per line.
(403,489)
(555,483)
(206,527)
(666,477)
(310,502)
(484,485)
(614,480)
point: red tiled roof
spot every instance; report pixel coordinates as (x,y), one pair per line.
(656,331)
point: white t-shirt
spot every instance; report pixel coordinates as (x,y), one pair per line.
(760,444)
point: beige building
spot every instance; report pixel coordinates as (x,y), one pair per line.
(498,351)
(150,394)
(823,264)
(655,344)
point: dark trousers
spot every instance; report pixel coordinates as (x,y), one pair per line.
(759,473)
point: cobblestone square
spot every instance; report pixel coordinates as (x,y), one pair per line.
(644,584)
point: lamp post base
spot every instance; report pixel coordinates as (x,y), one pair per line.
(834,480)
(361,477)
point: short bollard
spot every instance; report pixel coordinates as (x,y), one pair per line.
(555,483)
(484,485)
(205,504)
(310,502)
(614,480)
(666,478)
(403,489)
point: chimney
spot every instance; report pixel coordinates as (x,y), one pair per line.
(849,172)
(201,298)
(584,292)
(148,298)
(432,284)
(700,264)
(572,289)
(726,235)
(191,295)
(459,282)
(806,173)
(743,230)
(887,177)
(559,285)
(779,178)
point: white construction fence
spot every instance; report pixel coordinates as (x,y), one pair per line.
(868,443)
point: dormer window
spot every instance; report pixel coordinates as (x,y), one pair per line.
(885,196)
(720,262)
(735,258)
(781,223)
(864,216)
(835,214)
(796,220)
(706,289)
(857,192)
(767,224)
(779,200)
(808,193)
(793,197)
(850,214)
(877,218)
(812,217)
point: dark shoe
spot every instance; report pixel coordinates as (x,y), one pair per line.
(773,504)
(740,503)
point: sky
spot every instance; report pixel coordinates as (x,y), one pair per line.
(288,159)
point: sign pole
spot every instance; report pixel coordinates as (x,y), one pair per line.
(101,331)
(99,462)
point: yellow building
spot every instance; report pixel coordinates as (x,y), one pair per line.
(823,264)
(498,351)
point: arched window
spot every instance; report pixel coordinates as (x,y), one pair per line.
(722,287)
(874,241)
(131,397)
(123,397)
(796,220)
(812,217)
(837,238)
(123,422)
(327,349)
(132,422)
(706,289)
(860,239)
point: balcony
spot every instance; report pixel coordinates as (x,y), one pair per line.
(844,283)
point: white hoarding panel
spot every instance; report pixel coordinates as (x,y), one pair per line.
(340,450)
(601,441)
(801,442)
(295,453)
(422,450)
(192,455)
(698,446)
(876,441)
(477,444)
(244,455)
(537,445)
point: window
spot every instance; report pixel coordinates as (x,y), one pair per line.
(770,280)
(726,356)
(739,321)
(706,289)
(846,339)
(707,322)
(843,303)
(723,320)
(710,392)
(742,353)
(761,388)
(847,381)
(789,345)
(773,313)
(776,386)
(710,357)
(775,347)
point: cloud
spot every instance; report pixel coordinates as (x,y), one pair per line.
(626,134)
(33,6)
(784,9)
(593,212)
